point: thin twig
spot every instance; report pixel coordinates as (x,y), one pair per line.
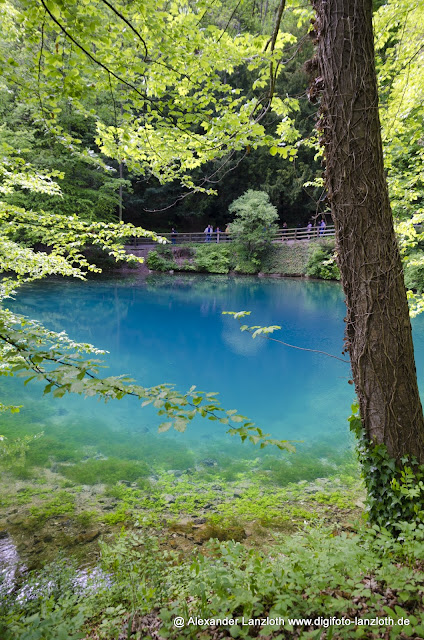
(292,346)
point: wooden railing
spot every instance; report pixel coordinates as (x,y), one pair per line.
(282,235)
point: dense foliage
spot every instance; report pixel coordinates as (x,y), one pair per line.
(322,263)
(399,35)
(414,272)
(395,492)
(311,581)
(209,258)
(55,82)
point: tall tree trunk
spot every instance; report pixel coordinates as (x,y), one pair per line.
(378,329)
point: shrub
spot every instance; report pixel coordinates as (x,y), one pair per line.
(314,573)
(213,258)
(414,272)
(158,262)
(248,267)
(322,263)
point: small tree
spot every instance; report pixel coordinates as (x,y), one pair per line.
(254,226)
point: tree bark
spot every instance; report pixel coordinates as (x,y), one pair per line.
(378,329)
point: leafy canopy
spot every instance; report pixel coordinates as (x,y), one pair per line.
(399,30)
(164,71)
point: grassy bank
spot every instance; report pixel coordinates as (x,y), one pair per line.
(162,524)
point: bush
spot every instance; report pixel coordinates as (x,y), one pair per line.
(248,267)
(414,272)
(213,258)
(315,573)
(158,262)
(322,263)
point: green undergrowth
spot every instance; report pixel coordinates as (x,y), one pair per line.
(395,490)
(264,535)
(204,258)
(292,259)
(312,576)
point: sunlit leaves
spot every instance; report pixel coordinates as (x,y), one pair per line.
(169,75)
(66,238)
(399,28)
(177,111)
(256,436)
(410,233)
(255,330)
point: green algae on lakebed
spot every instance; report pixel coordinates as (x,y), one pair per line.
(50,513)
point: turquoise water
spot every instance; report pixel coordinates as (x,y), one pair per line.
(171,329)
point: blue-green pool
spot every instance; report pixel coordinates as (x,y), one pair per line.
(170,328)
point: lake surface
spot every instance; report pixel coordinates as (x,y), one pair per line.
(171,329)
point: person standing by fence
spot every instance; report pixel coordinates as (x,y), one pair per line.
(309,229)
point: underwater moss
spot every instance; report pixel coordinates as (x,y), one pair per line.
(45,448)
(303,466)
(107,471)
